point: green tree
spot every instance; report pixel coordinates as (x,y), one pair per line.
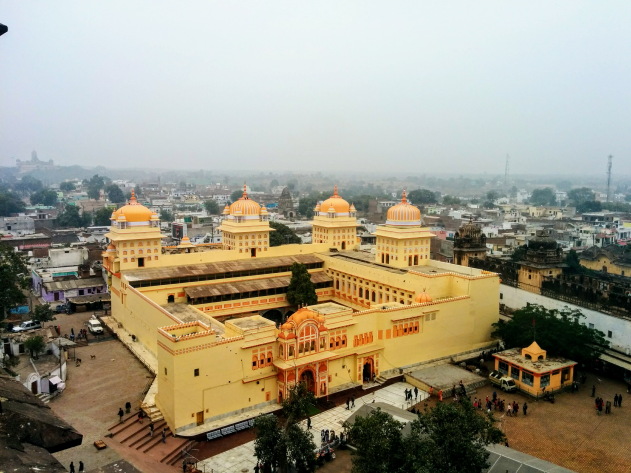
(71,218)
(307,203)
(95,184)
(589,206)
(580,195)
(115,194)
(211,206)
(101,217)
(379,443)
(543,196)
(10,203)
(573,263)
(28,184)
(423,196)
(43,313)
(13,279)
(35,345)
(301,290)
(560,332)
(67,186)
(166,216)
(44,197)
(236,195)
(450,438)
(451,200)
(283,235)
(281,443)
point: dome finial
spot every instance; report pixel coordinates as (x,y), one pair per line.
(335,191)
(245,191)
(404,198)
(132,199)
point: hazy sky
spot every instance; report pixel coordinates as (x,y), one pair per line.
(422,85)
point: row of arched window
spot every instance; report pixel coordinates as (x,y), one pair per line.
(400,330)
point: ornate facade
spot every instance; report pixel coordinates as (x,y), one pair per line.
(208,316)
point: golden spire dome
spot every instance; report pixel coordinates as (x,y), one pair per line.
(422,297)
(404,213)
(335,202)
(244,206)
(134,212)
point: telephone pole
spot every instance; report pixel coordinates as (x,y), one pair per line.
(609,177)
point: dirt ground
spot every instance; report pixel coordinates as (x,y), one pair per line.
(94,392)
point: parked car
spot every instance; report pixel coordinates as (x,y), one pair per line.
(60,308)
(506,383)
(95,327)
(27,325)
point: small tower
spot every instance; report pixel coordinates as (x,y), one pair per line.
(135,238)
(544,260)
(402,242)
(469,242)
(246,226)
(335,223)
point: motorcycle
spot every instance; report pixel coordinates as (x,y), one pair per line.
(548,396)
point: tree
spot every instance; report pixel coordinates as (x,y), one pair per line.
(236,195)
(301,290)
(580,195)
(543,196)
(35,345)
(101,217)
(166,216)
(560,332)
(95,184)
(28,184)
(43,313)
(115,194)
(422,196)
(67,186)
(449,438)
(283,235)
(379,443)
(281,443)
(10,203)
(70,218)
(589,206)
(451,200)
(211,206)
(44,197)
(573,263)
(13,279)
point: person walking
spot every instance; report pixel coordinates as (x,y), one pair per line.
(151,428)
(308,423)
(509,409)
(80,467)
(348,403)
(593,390)
(525,408)
(415,393)
(71,467)
(120,414)
(164,435)
(352,401)
(128,407)
(619,400)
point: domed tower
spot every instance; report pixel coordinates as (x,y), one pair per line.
(135,240)
(402,242)
(246,226)
(543,261)
(335,223)
(469,242)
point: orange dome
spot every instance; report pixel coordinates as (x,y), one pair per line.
(403,213)
(335,202)
(422,297)
(245,206)
(133,212)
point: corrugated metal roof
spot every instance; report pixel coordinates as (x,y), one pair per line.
(203,269)
(73,284)
(239,287)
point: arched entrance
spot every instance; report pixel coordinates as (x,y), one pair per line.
(368,372)
(308,378)
(274,315)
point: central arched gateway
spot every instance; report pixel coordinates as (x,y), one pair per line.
(368,371)
(308,378)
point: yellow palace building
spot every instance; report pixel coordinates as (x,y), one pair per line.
(215,316)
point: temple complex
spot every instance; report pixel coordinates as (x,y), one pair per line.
(225,338)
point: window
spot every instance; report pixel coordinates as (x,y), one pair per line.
(503,367)
(545,380)
(196,372)
(527,378)
(514,372)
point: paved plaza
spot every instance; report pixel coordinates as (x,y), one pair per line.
(242,457)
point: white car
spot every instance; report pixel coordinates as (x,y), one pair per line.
(27,325)
(95,327)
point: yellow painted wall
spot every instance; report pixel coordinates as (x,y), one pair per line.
(612,268)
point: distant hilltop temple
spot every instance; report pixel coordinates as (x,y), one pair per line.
(33,165)
(223,340)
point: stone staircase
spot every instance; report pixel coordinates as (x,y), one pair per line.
(137,436)
(44,397)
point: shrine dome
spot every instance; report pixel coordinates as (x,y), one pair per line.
(134,212)
(245,207)
(403,213)
(335,204)
(422,297)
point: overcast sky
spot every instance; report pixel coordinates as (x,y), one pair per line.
(424,86)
